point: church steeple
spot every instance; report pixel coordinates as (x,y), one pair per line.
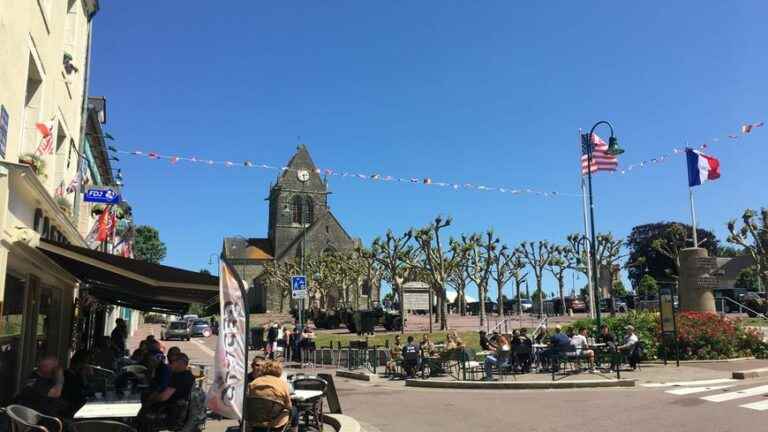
(298,197)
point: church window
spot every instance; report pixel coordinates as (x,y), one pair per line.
(309,210)
(297,204)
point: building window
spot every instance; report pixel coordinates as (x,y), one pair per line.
(297,208)
(32,106)
(309,211)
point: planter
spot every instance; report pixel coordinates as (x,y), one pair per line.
(97,210)
(35,162)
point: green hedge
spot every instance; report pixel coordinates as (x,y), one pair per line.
(701,336)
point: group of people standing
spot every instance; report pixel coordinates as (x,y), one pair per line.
(292,342)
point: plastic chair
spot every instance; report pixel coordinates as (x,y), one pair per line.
(262,411)
(312,410)
(25,419)
(100,426)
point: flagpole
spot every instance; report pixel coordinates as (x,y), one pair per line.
(590,286)
(693,218)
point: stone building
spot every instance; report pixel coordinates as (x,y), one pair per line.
(299,216)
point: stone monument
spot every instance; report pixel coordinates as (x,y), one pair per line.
(697,280)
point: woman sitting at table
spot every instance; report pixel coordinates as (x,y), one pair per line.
(500,359)
(270,385)
(453,341)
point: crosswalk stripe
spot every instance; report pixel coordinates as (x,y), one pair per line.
(754,391)
(692,390)
(759,406)
(690,383)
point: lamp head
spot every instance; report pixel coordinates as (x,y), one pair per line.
(613,147)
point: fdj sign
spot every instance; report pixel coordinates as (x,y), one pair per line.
(104,196)
(299,287)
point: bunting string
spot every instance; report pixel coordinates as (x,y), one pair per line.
(425,181)
(745,129)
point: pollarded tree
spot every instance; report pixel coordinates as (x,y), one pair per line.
(395,255)
(503,271)
(371,270)
(753,237)
(458,278)
(278,275)
(536,255)
(481,250)
(558,265)
(438,262)
(516,268)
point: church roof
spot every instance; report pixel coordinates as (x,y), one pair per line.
(326,215)
(301,160)
(251,248)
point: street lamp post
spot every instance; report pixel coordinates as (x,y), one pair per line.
(613,149)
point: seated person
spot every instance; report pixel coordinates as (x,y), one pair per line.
(255,368)
(42,390)
(628,347)
(559,343)
(166,406)
(427,346)
(270,385)
(452,341)
(525,350)
(411,357)
(500,359)
(138,355)
(76,391)
(486,344)
(395,355)
(104,356)
(607,337)
(172,352)
(579,341)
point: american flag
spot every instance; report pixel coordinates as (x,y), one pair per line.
(46,143)
(601,160)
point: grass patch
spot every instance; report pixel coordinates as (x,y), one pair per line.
(756,322)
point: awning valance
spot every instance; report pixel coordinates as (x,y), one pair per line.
(133,283)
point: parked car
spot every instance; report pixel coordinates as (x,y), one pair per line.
(189,319)
(619,305)
(175,330)
(577,305)
(200,327)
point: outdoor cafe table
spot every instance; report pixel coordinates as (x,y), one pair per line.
(125,409)
(305,395)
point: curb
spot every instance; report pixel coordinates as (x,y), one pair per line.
(342,423)
(661,362)
(521,385)
(360,376)
(751,373)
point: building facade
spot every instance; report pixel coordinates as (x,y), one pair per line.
(44,50)
(300,221)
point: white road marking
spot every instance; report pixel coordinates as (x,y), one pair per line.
(692,390)
(211,353)
(758,406)
(754,391)
(690,383)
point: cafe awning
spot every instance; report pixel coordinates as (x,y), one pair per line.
(133,283)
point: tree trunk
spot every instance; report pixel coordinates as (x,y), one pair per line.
(481,304)
(519,300)
(500,286)
(462,301)
(443,311)
(560,285)
(541,296)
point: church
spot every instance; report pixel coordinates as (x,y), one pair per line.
(299,216)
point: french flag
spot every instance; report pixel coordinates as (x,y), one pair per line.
(701,167)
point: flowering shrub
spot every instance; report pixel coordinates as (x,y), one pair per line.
(700,335)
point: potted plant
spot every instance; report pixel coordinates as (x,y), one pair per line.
(97,209)
(35,162)
(64,204)
(120,213)
(68,66)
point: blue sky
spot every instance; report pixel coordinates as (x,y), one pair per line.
(486,93)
